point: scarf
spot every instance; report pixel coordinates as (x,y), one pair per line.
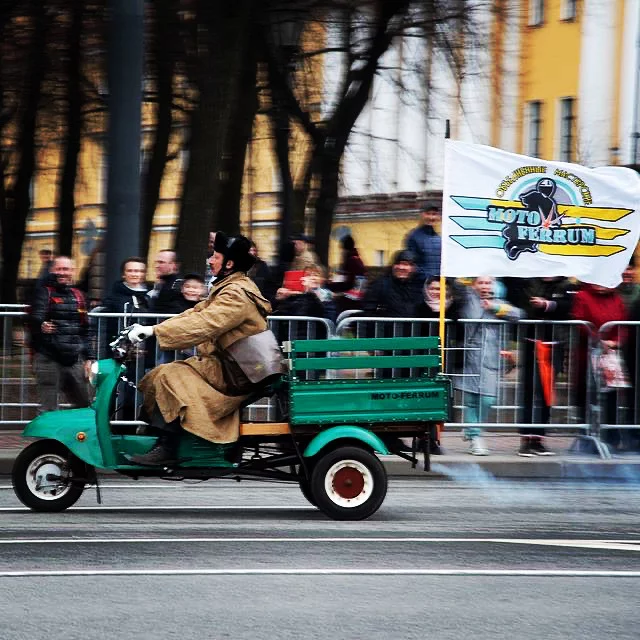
(434,303)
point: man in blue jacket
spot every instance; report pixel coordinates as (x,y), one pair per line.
(425,244)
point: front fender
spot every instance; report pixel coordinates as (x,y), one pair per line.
(74,428)
(345,432)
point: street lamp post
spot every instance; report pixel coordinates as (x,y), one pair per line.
(125,51)
(635,135)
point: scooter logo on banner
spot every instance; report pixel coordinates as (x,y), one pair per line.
(543,212)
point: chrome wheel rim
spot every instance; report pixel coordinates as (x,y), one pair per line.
(348,483)
(49,464)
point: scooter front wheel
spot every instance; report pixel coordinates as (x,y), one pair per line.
(48,477)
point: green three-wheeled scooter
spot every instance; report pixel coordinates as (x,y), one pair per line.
(342,404)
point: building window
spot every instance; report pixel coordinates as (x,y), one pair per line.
(536,13)
(567,117)
(534,128)
(380,258)
(569,10)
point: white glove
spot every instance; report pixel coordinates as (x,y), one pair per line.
(137,333)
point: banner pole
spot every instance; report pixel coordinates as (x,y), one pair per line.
(443,284)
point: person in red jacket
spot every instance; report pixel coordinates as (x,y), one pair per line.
(599,305)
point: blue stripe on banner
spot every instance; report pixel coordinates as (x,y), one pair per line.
(472,204)
(479,242)
(476,223)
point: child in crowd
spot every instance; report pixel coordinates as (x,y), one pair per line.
(314,282)
(192,290)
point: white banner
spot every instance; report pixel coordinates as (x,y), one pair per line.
(505,214)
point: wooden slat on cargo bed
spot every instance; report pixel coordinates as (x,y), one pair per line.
(264,429)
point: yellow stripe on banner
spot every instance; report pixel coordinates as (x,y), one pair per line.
(573,211)
(594,250)
(602,233)
(507,204)
(594,213)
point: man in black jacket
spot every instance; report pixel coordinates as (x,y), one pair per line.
(59,333)
(165,297)
(398,293)
(541,351)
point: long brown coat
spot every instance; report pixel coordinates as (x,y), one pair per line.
(194,389)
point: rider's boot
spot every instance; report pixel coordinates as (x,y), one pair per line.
(164,451)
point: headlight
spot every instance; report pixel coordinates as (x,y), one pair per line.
(93,373)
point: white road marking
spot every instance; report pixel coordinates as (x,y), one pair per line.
(615,545)
(213,507)
(609,545)
(550,573)
(166,485)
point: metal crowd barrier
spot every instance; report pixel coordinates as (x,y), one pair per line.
(265,409)
(617,414)
(505,356)
(18,399)
(582,404)
(18,392)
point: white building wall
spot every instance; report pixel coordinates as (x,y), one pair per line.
(596,86)
(412,117)
(398,142)
(630,91)
(510,64)
(442,102)
(475,107)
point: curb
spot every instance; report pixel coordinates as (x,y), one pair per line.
(459,467)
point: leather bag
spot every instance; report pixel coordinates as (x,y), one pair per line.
(251,363)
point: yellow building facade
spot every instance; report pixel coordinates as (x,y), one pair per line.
(555,79)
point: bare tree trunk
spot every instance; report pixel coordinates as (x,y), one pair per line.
(66,196)
(328,174)
(18,201)
(281,138)
(343,121)
(164,56)
(329,138)
(225,32)
(241,129)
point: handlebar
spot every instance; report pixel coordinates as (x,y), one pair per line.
(121,345)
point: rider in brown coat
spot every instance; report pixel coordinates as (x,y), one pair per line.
(192,394)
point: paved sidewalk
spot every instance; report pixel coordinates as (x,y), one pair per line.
(456,463)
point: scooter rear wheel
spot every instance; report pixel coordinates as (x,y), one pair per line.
(349,483)
(43,476)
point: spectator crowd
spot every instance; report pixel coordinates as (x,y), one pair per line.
(299,285)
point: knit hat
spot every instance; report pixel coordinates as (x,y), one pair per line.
(404,256)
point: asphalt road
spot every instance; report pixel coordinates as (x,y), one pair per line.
(491,559)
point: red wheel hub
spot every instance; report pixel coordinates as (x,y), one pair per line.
(348,483)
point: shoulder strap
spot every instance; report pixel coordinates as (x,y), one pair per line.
(82,307)
(49,289)
(252,296)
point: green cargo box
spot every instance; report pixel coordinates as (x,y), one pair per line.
(425,396)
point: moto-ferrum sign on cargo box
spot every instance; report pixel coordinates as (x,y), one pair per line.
(337,401)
